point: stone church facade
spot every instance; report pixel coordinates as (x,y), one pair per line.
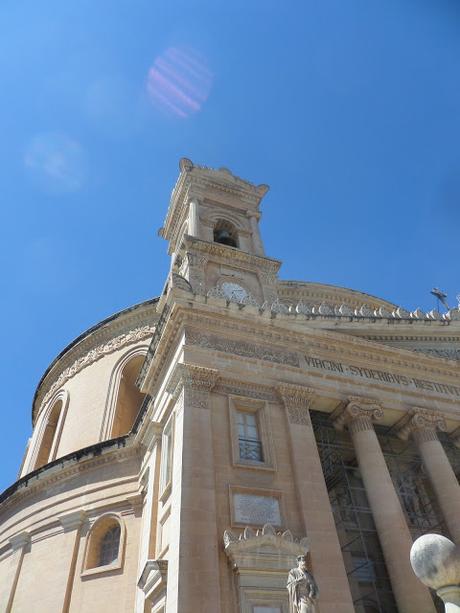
(187,449)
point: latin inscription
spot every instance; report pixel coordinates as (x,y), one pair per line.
(383,376)
(256,510)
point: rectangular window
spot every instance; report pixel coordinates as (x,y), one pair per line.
(250,445)
(166,458)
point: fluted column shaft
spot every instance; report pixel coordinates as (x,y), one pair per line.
(422,427)
(394,535)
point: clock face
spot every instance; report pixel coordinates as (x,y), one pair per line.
(233,291)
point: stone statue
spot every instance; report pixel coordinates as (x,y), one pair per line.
(302,588)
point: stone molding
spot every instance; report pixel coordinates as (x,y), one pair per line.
(358,414)
(242,348)
(72,521)
(221,252)
(154,577)
(66,468)
(196,381)
(19,540)
(422,425)
(298,400)
(235,387)
(279,549)
(119,342)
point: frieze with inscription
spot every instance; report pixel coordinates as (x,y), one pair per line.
(383,376)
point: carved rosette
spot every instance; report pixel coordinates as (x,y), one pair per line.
(358,415)
(297,399)
(422,425)
(195,381)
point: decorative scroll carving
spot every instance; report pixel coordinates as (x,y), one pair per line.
(133,336)
(242,348)
(297,399)
(196,380)
(422,425)
(358,415)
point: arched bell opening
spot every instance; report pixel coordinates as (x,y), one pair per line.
(225,233)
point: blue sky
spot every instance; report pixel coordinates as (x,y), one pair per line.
(348,109)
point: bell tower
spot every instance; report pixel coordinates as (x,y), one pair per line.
(212,227)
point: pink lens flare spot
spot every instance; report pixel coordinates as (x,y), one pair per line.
(179,81)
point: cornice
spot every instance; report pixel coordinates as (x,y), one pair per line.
(227,254)
(216,317)
(67,467)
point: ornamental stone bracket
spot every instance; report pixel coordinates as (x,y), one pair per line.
(358,414)
(198,381)
(265,550)
(153,578)
(422,424)
(297,399)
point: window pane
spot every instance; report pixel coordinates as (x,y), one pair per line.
(109,546)
(250,446)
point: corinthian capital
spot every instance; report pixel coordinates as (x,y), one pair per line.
(297,399)
(421,424)
(358,414)
(191,376)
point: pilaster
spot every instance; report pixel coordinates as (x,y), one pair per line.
(20,544)
(315,508)
(193,498)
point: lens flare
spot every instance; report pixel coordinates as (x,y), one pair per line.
(179,82)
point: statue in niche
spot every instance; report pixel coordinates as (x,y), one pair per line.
(302,588)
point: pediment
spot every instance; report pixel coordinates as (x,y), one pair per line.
(265,549)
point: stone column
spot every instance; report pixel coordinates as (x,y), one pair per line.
(19,544)
(194,219)
(254,221)
(394,536)
(71,523)
(315,507)
(193,556)
(421,425)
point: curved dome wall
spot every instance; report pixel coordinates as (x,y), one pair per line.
(88,393)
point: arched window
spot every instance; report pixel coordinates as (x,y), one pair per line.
(129,398)
(48,444)
(110,543)
(225,233)
(104,547)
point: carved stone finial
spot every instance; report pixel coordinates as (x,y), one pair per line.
(185,164)
(421,424)
(297,399)
(358,414)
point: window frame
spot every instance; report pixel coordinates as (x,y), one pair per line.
(259,408)
(167,459)
(93,541)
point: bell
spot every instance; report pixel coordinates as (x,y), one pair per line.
(224,237)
